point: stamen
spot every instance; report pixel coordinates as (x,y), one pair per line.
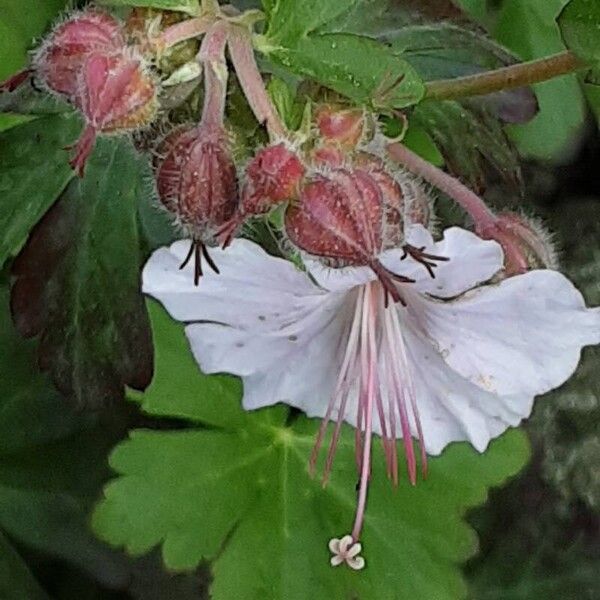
(369,322)
(429,261)
(402,359)
(209,260)
(343,383)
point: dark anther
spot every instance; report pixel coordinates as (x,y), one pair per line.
(429,261)
(187,259)
(198,250)
(209,260)
(387,281)
(197,263)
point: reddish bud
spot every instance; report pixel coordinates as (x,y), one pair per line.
(339,218)
(272,176)
(343,126)
(328,155)
(114,94)
(526,244)
(63,54)
(406,202)
(196,181)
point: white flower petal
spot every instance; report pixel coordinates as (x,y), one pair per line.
(520,338)
(294,362)
(451,408)
(354,550)
(336,560)
(357,563)
(471,261)
(334,545)
(345,543)
(252,285)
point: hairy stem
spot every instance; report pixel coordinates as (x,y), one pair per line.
(506,78)
(212,58)
(185,30)
(483,217)
(250,78)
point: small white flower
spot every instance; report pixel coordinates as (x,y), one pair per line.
(346,551)
(461,361)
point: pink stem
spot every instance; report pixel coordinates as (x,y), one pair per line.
(212,57)
(250,78)
(484,218)
(185,30)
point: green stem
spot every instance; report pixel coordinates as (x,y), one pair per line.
(506,78)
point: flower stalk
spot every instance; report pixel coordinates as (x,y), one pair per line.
(485,220)
(250,78)
(506,78)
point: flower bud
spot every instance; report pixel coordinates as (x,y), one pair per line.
(526,244)
(115,94)
(339,219)
(63,54)
(342,126)
(196,182)
(272,177)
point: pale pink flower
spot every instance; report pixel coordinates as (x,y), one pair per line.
(461,361)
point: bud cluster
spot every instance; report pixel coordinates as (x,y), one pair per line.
(87,61)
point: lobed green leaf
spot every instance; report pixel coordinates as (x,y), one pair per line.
(241,496)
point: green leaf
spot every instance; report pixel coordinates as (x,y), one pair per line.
(20,22)
(419,141)
(241,495)
(32,412)
(530,30)
(445,50)
(470,139)
(34,170)
(579,24)
(212,400)
(52,462)
(16,580)
(359,68)
(78,283)
(192,7)
(289,22)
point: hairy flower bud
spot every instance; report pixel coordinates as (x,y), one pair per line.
(526,244)
(196,182)
(271,177)
(115,94)
(405,201)
(342,126)
(61,57)
(339,219)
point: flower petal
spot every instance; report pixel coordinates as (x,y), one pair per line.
(354,550)
(336,560)
(251,284)
(334,545)
(357,563)
(471,261)
(520,338)
(295,362)
(451,408)
(346,543)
